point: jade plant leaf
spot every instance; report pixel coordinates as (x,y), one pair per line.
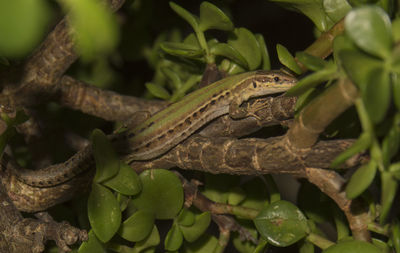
(211,17)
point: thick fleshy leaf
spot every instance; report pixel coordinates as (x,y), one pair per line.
(182,49)
(369,27)
(247,45)
(174,238)
(192,233)
(313,80)
(377,94)
(236,195)
(352,247)
(189,17)
(358,66)
(246,246)
(395,235)
(287,59)
(205,244)
(313,9)
(361,180)
(311,62)
(186,217)
(137,227)
(88,18)
(281,223)
(92,245)
(104,213)
(266,63)
(360,145)
(389,189)
(126,181)
(153,239)
(396,29)
(161,194)
(395,170)
(391,142)
(228,51)
(211,17)
(107,160)
(336,9)
(158,91)
(22,26)
(396,90)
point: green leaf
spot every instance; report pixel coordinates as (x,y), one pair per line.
(266,63)
(396,29)
(91,245)
(389,189)
(311,62)
(396,89)
(361,179)
(336,9)
(182,49)
(376,96)
(395,235)
(137,227)
(369,27)
(358,66)
(211,17)
(174,238)
(281,223)
(153,239)
(312,80)
(287,59)
(360,145)
(87,18)
(200,225)
(352,247)
(189,17)
(186,217)
(22,26)
(126,181)
(204,244)
(395,170)
(391,142)
(107,161)
(313,9)
(247,45)
(158,91)
(247,246)
(236,195)
(104,213)
(161,194)
(228,51)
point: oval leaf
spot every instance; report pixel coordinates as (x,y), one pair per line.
(161,194)
(352,247)
(189,17)
(287,59)
(336,9)
(281,223)
(107,161)
(137,227)
(153,239)
(389,189)
(91,245)
(369,27)
(360,145)
(361,180)
(311,62)
(391,142)
(266,63)
(200,225)
(181,49)
(376,96)
(104,213)
(228,51)
(247,45)
(174,238)
(186,217)
(126,181)
(158,91)
(236,195)
(211,17)
(395,235)
(396,90)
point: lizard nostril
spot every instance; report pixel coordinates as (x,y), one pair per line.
(276,79)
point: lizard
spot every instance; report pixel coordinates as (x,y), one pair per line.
(167,128)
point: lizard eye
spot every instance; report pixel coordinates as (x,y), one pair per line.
(276,79)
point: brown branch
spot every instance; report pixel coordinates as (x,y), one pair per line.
(332,184)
